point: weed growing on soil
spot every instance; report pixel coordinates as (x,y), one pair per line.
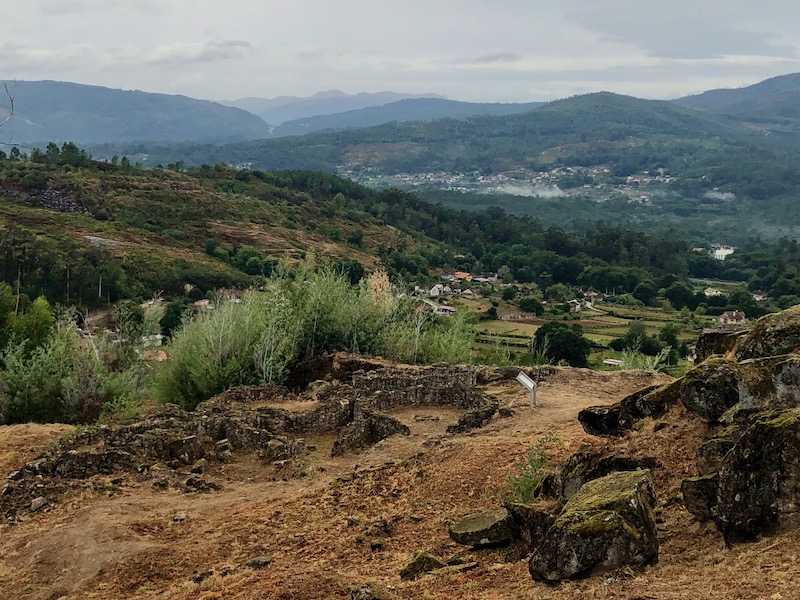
(527,478)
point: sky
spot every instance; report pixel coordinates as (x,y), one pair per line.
(475,50)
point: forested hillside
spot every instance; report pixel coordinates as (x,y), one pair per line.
(86,114)
(83,232)
(627,134)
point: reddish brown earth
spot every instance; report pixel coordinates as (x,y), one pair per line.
(121,541)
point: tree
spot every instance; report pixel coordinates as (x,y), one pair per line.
(173,317)
(504,274)
(680,294)
(669,334)
(564,342)
(508,293)
(559,293)
(35,325)
(645,292)
(637,339)
(531,305)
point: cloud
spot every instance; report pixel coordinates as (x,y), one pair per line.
(722,196)
(688,30)
(489,59)
(530,191)
(21,58)
(206,52)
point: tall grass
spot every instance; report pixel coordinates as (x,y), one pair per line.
(310,313)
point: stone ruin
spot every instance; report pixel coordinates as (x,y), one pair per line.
(173,447)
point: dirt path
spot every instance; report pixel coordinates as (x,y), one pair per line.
(358,518)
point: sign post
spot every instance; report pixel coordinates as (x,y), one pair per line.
(530,385)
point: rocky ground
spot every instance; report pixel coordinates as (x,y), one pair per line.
(319,526)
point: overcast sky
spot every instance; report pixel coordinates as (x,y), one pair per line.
(503,50)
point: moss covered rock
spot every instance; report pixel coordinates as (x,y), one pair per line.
(422,562)
(712,388)
(700,496)
(484,528)
(717,343)
(616,419)
(759,482)
(778,333)
(607,524)
(711,454)
(530,522)
(586,465)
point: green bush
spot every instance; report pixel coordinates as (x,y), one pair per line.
(63,379)
(258,339)
(525,482)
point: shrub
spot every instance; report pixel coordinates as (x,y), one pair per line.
(311,313)
(527,478)
(64,379)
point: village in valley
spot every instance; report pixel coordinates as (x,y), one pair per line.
(596,182)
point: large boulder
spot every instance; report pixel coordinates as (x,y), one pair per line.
(700,496)
(484,528)
(712,388)
(616,419)
(586,465)
(530,522)
(422,562)
(711,454)
(716,343)
(759,482)
(607,524)
(778,333)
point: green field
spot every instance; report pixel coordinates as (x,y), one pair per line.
(499,340)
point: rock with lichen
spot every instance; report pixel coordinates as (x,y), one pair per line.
(608,523)
(758,485)
(777,333)
(483,528)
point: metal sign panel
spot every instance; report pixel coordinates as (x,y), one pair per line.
(530,385)
(526,381)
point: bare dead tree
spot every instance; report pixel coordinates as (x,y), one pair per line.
(10,114)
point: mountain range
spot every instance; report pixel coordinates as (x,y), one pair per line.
(61,111)
(289,108)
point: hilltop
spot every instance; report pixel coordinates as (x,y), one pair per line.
(774,102)
(323,524)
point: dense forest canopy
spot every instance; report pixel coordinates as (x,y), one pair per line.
(172,216)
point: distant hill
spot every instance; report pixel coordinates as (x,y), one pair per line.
(774,102)
(727,100)
(60,111)
(413,109)
(288,108)
(591,129)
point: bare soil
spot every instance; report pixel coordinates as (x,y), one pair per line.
(122,540)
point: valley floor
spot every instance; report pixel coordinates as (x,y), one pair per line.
(123,539)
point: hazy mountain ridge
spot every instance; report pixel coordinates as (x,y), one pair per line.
(410,109)
(775,101)
(61,111)
(276,111)
(588,125)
